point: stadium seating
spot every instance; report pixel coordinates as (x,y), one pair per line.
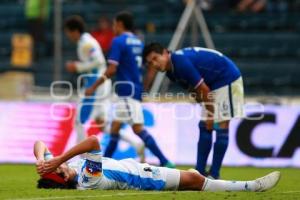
(264,45)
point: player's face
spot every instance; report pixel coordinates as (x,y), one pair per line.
(158,61)
(71,35)
(117,27)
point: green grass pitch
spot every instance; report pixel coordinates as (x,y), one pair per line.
(19,182)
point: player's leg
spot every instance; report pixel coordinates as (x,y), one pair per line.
(114,138)
(102,105)
(204,146)
(195,181)
(101,113)
(84,111)
(229,101)
(220,147)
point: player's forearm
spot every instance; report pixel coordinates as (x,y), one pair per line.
(110,72)
(39,150)
(150,76)
(89,144)
(88,66)
(208,103)
(204,95)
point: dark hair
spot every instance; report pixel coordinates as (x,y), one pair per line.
(75,23)
(51,184)
(127,19)
(152,47)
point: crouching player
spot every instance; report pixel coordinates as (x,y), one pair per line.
(97,172)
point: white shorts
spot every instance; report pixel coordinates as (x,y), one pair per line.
(141,176)
(127,110)
(228,102)
(172,178)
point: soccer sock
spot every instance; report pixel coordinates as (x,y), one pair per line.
(152,146)
(80,132)
(112,145)
(136,143)
(221,185)
(204,146)
(220,148)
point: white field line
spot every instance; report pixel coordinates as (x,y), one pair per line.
(124,194)
(103,195)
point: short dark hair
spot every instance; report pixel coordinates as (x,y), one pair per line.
(75,23)
(55,181)
(152,47)
(51,184)
(127,19)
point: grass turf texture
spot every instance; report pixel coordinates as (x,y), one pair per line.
(19,182)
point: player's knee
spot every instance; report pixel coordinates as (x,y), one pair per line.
(197,180)
(202,127)
(137,128)
(223,125)
(191,181)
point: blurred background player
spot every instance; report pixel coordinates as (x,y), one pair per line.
(125,62)
(218,85)
(97,172)
(91,65)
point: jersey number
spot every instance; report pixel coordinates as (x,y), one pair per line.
(139,61)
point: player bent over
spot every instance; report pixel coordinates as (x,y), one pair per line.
(218,84)
(97,172)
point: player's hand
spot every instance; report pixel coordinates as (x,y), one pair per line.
(52,164)
(89,91)
(39,164)
(71,66)
(209,124)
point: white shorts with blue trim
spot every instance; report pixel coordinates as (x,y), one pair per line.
(228,102)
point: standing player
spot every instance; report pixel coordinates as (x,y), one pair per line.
(125,61)
(91,65)
(97,172)
(217,83)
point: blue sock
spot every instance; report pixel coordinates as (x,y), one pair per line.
(220,148)
(204,146)
(112,145)
(152,146)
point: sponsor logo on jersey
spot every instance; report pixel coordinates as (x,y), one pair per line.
(93,168)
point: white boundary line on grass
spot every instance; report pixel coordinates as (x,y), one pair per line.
(289,192)
(126,194)
(104,195)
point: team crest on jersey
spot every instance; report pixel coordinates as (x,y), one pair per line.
(93,168)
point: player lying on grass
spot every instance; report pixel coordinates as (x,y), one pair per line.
(97,172)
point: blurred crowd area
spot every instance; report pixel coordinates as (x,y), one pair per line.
(261,36)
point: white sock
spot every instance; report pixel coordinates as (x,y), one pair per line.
(80,132)
(136,142)
(221,185)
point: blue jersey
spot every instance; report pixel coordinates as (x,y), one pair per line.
(126,52)
(192,66)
